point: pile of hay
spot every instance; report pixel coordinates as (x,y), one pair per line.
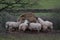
(29,15)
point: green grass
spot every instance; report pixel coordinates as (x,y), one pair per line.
(49,15)
(47,4)
(57,15)
(25,36)
(42,4)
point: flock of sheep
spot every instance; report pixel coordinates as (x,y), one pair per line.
(31,22)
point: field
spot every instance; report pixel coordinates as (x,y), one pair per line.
(29,36)
(42,4)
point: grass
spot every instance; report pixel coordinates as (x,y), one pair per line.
(31,36)
(25,36)
(42,4)
(47,4)
(49,15)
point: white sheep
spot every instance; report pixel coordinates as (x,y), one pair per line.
(45,24)
(49,24)
(35,26)
(23,26)
(10,25)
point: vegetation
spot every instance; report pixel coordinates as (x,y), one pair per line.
(33,4)
(29,4)
(27,36)
(54,17)
(26,4)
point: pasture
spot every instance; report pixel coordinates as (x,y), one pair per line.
(42,4)
(29,36)
(12,16)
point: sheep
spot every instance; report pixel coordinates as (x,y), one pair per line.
(45,24)
(49,25)
(10,25)
(23,26)
(35,26)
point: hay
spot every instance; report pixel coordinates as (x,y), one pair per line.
(29,15)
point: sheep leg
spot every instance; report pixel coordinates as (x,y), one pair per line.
(20,27)
(10,29)
(44,28)
(38,30)
(23,28)
(51,28)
